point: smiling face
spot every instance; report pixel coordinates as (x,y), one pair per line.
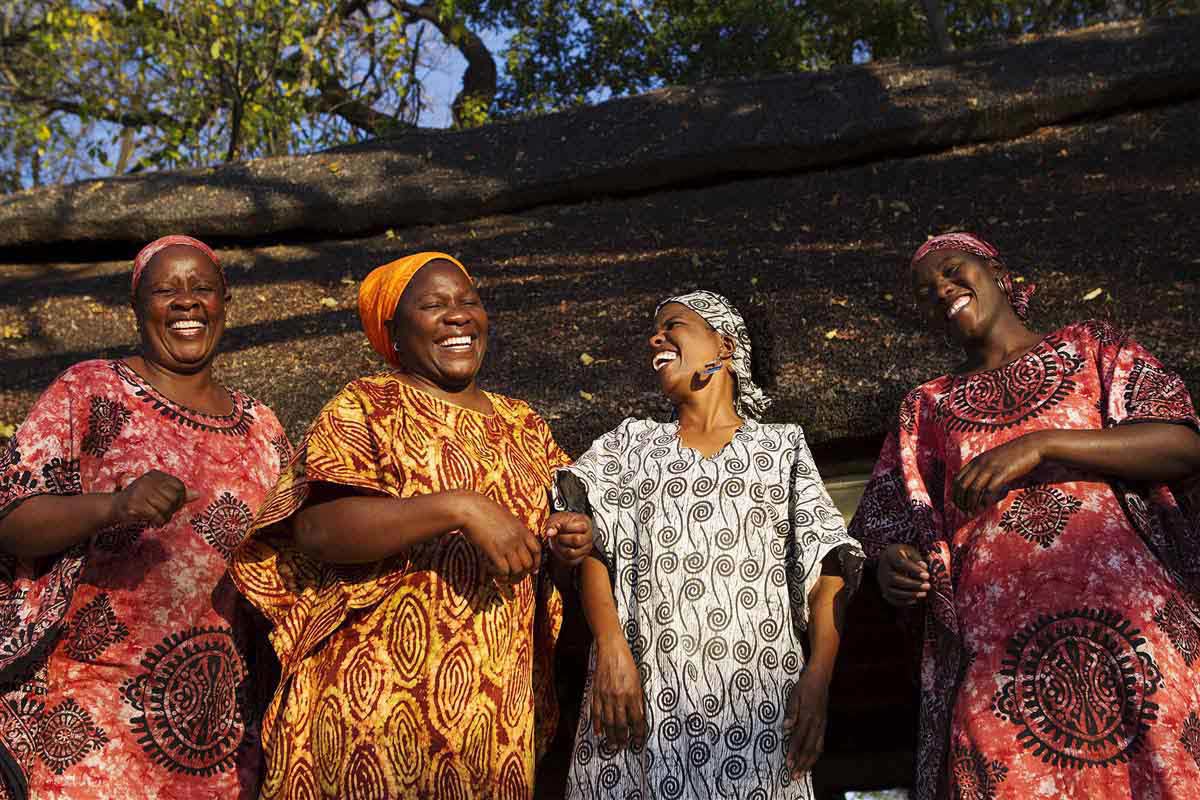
(681,347)
(957,292)
(440,327)
(180,309)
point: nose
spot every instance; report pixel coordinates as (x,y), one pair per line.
(657,339)
(185,300)
(457,315)
(944,288)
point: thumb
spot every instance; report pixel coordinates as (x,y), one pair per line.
(552,531)
(190,495)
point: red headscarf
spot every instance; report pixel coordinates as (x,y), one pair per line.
(1018,294)
(151,250)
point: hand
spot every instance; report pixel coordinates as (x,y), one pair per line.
(511,549)
(804,722)
(152,499)
(618,707)
(986,478)
(570,537)
(903,576)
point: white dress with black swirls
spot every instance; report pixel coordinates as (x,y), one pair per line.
(712,559)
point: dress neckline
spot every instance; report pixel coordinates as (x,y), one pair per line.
(1014,360)
(484,414)
(235,422)
(742,432)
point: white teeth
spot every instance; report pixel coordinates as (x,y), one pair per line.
(456,341)
(959,305)
(662,359)
(186,325)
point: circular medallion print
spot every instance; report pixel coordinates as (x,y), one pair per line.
(1007,396)
(191,702)
(1079,687)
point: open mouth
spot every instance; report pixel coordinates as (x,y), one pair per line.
(662,359)
(187,327)
(957,306)
(457,344)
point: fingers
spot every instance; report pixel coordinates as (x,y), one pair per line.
(907,561)
(618,727)
(635,712)
(571,548)
(597,713)
(903,577)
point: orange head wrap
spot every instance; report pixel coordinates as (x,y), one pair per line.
(379,294)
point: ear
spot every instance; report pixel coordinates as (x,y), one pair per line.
(728,346)
(995,267)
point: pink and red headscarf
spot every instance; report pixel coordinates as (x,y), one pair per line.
(151,250)
(1019,294)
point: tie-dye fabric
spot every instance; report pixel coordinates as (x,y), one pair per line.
(128,663)
(1062,635)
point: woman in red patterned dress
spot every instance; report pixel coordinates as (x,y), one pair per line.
(1033,502)
(123,657)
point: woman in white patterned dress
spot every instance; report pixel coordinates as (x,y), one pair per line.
(717,547)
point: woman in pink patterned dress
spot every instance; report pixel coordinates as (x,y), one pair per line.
(125,651)
(1034,503)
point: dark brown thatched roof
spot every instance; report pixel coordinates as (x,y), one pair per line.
(1108,202)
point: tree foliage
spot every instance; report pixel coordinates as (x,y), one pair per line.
(96,87)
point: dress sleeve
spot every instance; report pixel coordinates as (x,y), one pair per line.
(1136,386)
(42,457)
(296,593)
(903,499)
(816,530)
(597,477)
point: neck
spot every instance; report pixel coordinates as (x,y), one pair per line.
(1007,339)
(704,411)
(468,394)
(181,386)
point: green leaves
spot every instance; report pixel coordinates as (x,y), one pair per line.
(91,87)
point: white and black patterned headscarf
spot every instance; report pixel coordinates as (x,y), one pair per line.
(749,399)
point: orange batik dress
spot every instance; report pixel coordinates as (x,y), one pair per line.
(417,676)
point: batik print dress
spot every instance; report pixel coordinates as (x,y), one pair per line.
(1062,634)
(712,561)
(417,676)
(124,660)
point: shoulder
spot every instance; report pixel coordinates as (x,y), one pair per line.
(94,372)
(789,433)
(629,433)
(1093,332)
(83,380)
(263,413)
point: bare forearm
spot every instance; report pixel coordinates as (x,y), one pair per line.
(596,597)
(49,524)
(1148,451)
(826,621)
(359,530)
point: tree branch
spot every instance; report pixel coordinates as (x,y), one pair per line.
(479,81)
(127,117)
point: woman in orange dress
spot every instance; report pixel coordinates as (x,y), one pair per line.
(399,560)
